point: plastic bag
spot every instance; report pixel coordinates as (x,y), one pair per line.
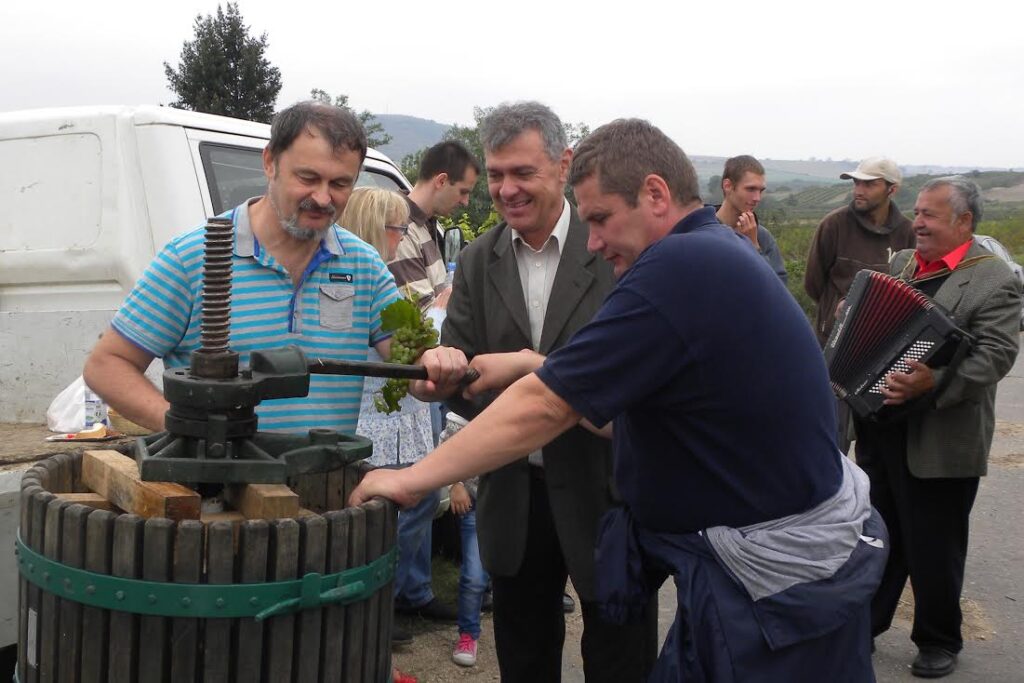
(67,412)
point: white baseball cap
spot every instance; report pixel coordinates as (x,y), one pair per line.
(874,168)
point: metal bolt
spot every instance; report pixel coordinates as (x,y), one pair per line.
(90,590)
(119,595)
(254,601)
(219,603)
(151,598)
(186,602)
(46,576)
(31,567)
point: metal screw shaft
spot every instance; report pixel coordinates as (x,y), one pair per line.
(216,322)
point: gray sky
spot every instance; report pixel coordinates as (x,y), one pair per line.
(922,82)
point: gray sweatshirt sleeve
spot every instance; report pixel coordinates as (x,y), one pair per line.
(770,252)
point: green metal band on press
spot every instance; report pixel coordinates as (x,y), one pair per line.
(199,600)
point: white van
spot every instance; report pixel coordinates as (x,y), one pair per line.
(87,197)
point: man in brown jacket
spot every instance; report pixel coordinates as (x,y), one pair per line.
(864,234)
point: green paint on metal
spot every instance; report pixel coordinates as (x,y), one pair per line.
(232,600)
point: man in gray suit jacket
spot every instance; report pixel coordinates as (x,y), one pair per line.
(924,470)
(530,283)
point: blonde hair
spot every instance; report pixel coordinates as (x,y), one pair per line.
(368,210)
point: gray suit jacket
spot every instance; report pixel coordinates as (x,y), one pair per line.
(953,437)
(487,314)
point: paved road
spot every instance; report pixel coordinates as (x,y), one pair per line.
(993,594)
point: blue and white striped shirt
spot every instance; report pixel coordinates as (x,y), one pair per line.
(334,313)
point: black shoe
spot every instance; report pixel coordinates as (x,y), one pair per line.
(568,604)
(400,636)
(434,610)
(933,662)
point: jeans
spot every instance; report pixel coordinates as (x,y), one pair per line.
(472,578)
(412,575)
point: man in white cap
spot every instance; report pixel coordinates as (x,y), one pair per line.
(864,234)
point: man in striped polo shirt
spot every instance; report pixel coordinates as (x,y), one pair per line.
(447,175)
(297,279)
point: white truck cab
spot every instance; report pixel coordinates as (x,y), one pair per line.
(88,195)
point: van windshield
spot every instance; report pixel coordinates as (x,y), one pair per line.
(235,174)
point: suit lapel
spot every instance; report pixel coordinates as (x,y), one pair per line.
(952,289)
(503,273)
(572,280)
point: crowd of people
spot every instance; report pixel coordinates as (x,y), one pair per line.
(621,427)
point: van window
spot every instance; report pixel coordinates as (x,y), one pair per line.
(373,178)
(44,183)
(235,174)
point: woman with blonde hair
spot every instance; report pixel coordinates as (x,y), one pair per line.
(380,218)
(377,216)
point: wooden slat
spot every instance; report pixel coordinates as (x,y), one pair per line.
(28,489)
(220,564)
(126,562)
(99,545)
(93,500)
(333,643)
(158,546)
(116,478)
(374,543)
(73,555)
(353,475)
(76,474)
(188,568)
(252,553)
(311,489)
(40,502)
(355,616)
(283,557)
(62,477)
(267,501)
(387,594)
(335,490)
(49,624)
(312,558)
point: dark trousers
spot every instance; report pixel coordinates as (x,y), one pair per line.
(928,530)
(529,625)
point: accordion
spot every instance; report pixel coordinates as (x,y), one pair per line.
(885,324)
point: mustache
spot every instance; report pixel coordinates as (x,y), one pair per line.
(308,204)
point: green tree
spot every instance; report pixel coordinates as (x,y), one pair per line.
(376,136)
(223,70)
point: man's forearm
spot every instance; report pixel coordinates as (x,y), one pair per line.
(126,390)
(524,418)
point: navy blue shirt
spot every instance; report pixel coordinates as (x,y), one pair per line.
(718,390)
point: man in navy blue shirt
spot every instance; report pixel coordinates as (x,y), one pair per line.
(723,429)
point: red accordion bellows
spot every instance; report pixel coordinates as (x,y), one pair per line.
(885,324)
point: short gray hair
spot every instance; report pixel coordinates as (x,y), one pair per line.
(509,120)
(964,196)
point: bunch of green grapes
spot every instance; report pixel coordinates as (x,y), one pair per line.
(412,334)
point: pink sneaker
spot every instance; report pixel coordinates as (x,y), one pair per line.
(464,653)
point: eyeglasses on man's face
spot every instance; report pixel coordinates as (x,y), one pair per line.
(402,230)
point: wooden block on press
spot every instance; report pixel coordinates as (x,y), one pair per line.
(116,478)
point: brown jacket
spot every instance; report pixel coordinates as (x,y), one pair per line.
(845,243)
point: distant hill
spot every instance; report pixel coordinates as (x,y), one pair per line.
(410,134)
(804,187)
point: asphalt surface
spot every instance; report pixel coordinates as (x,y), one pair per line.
(993,593)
